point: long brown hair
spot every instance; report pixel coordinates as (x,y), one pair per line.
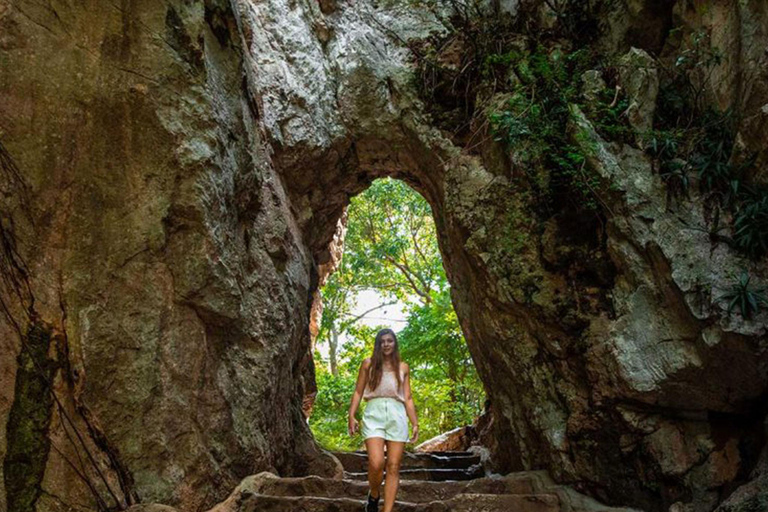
(377,361)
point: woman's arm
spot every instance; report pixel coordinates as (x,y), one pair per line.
(410,407)
(362,380)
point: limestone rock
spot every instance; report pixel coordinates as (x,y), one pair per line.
(458,439)
(172,179)
(160,245)
(748,497)
(592,84)
(151,507)
(737,31)
(753,495)
(640,79)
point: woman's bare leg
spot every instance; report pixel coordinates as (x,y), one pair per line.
(375,448)
(394,457)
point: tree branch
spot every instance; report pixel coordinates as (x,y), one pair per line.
(361,315)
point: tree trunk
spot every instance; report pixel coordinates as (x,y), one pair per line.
(334,343)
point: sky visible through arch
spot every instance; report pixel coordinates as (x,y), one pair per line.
(393,315)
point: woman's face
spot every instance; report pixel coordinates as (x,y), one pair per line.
(387,344)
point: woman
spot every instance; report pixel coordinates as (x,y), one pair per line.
(384,382)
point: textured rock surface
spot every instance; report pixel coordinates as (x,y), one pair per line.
(640,78)
(459,438)
(161,245)
(523,492)
(752,495)
(739,30)
(181,168)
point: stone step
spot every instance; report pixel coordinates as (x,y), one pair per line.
(459,503)
(409,490)
(528,491)
(358,461)
(431,474)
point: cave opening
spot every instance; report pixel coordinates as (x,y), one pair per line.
(391,274)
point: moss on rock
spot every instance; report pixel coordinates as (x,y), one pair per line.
(29,420)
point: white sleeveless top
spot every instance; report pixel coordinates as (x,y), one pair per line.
(387,387)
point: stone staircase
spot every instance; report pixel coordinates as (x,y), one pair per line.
(429,482)
(434,466)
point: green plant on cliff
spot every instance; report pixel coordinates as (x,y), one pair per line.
(691,137)
(459,71)
(748,299)
(607,115)
(537,57)
(686,126)
(534,121)
(675,174)
(688,76)
(750,224)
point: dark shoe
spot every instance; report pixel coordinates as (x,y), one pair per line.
(372,504)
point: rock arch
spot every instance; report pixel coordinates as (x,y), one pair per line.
(172,214)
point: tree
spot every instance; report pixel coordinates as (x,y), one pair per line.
(391,247)
(329,413)
(443,373)
(391,242)
(338,298)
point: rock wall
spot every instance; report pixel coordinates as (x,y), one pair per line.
(173,179)
(154,237)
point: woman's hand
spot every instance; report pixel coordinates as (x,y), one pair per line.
(353,426)
(414,434)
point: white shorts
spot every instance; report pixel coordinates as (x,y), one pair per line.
(385,417)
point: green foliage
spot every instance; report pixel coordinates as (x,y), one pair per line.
(608,116)
(391,247)
(705,148)
(390,244)
(688,128)
(334,392)
(675,174)
(748,299)
(664,144)
(496,51)
(444,381)
(711,155)
(699,53)
(488,40)
(693,137)
(681,95)
(534,122)
(750,224)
